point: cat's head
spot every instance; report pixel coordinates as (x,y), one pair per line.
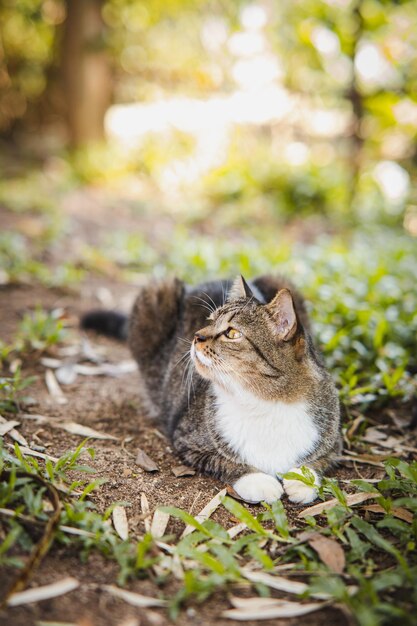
(256,347)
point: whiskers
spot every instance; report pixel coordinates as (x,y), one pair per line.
(209,304)
(186,362)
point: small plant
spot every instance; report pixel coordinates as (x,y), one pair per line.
(39,330)
(11,389)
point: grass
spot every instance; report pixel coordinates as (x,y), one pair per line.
(380,552)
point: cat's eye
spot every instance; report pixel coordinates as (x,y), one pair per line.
(232,333)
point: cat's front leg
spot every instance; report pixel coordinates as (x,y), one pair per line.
(297,491)
(258,487)
(248,482)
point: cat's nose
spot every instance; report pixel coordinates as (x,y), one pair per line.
(198,337)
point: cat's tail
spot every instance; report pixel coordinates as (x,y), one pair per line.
(109,323)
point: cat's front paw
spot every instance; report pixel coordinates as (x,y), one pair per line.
(299,492)
(258,487)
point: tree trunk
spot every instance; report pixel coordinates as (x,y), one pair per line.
(85,71)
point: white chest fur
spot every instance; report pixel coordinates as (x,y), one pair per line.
(271,436)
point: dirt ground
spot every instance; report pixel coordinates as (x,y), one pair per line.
(112,405)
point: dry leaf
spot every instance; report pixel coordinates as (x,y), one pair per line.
(71,427)
(144,505)
(159,523)
(330,552)
(182,470)
(145,462)
(107,369)
(67,374)
(54,389)
(268,608)
(399,512)
(120,522)
(135,599)
(51,363)
(40,455)
(365,459)
(275,582)
(14,434)
(83,431)
(6,426)
(236,530)
(206,512)
(352,499)
(45,592)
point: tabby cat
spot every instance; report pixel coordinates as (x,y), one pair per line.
(233,376)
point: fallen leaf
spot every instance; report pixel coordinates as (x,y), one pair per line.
(66,374)
(206,512)
(45,592)
(236,530)
(13,433)
(275,582)
(51,363)
(145,462)
(29,452)
(182,470)
(120,522)
(365,459)
(54,389)
(268,608)
(135,599)
(399,512)
(83,431)
(107,369)
(6,426)
(374,435)
(159,523)
(144,505)
(330,552)
(351,499)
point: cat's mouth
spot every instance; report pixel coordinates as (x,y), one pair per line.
(200,360)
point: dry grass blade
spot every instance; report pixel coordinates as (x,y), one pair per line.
(274,582)
(107,369)
(399,512)
(206,512)
(330,552)
(144,505)
(54,389)
(44,593)
(84,431)
(145,462)
(159,523)
(13,433)
(6,426)
(182,470)
(39,455)
(236,530)
(135,599)
(365,459)
(268,608)
(317,509)
(120,522)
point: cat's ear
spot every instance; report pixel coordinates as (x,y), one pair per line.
(283,315)
(240,289)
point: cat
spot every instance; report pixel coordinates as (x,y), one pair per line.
(234,378)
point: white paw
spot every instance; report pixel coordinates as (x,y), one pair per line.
(258,487)
(299,492)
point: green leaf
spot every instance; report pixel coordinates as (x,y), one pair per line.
(243,515)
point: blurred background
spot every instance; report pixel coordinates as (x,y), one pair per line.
(257,122)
